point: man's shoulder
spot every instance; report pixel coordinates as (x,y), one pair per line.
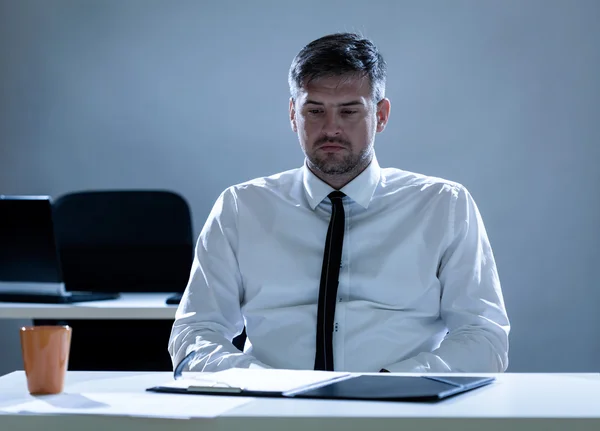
(399,178)
(274,182)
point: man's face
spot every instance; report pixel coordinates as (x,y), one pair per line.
(336,120)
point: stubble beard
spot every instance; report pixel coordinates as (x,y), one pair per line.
(333,164)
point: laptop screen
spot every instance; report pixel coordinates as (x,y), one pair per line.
(28,249)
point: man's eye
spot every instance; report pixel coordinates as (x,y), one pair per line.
(314,111)
(349,112)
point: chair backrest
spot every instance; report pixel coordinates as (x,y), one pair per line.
(124,240)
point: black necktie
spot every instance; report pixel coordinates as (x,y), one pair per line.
(332,259)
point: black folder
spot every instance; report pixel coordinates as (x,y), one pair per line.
(384,387)
(396,388)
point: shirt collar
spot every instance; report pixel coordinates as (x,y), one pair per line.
(360,189)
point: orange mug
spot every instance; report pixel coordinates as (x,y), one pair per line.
(45,357)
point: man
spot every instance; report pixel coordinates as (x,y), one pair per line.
(341,265)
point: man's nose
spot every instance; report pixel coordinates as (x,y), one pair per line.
(332,125)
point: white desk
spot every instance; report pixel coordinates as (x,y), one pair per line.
(517,402)
(129,306)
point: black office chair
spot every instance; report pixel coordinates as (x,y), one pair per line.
(123,241)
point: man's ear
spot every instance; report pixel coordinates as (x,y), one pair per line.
(293,116)
(383,113)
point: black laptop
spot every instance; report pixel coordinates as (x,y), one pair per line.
(30,269)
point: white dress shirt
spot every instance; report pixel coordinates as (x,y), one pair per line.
(418,286)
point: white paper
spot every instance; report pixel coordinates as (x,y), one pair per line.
(261,380)
(141,404)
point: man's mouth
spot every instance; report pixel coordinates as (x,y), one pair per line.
(331,147)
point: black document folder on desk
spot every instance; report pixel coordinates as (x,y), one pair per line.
(395,388)
(384,387)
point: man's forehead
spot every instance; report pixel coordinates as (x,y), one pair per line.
(340,86)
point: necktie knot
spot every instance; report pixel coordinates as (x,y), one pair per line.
(336,195)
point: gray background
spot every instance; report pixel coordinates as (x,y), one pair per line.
(502,96)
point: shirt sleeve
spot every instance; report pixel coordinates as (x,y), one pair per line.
(209,315)
(472,305)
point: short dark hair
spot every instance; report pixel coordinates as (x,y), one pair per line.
(339,54)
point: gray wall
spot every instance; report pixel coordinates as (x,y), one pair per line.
(502,96)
